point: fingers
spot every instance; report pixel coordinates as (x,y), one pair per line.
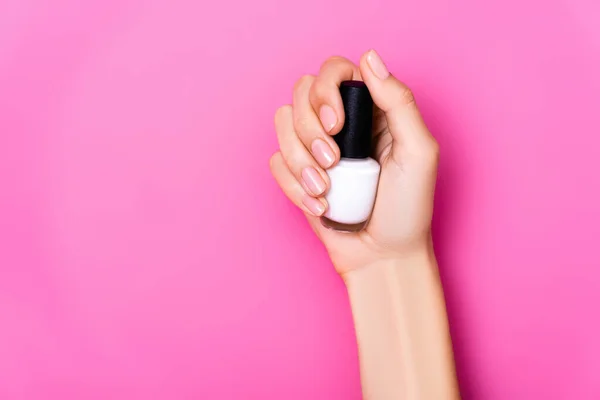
(398,103)
(300,163)
(309,128)
(325,93)
(292,188)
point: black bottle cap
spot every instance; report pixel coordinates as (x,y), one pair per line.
(354,140)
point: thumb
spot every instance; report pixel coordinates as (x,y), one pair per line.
(396,100)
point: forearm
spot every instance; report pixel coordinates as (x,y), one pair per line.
(401,324)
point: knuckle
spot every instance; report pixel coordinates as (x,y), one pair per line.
(320,88)
(293,158)
(335,60)
(274,160)
(301,123)
(431,151)
(407,97)
(281,113)
(323,92)
(424,153)
(304,82)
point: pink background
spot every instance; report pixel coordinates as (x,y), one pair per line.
(146,253)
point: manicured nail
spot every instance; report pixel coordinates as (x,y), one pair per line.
(377,66)
(314,206)
(313,180)
(322,153)
(327,117)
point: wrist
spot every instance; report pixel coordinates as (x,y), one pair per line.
(421,256)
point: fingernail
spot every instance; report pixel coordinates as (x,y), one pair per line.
(377,66)
(313,180)
(322,153)
(327,117)
(314,206)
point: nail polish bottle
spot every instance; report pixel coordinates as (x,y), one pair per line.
(354,178)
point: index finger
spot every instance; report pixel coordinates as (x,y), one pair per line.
(325,92)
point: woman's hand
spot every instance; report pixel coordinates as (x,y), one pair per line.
(408,154)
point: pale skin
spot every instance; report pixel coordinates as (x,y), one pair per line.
(389,268)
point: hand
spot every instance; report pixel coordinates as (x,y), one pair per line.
(401,221)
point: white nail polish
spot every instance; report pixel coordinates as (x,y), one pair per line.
(354,179)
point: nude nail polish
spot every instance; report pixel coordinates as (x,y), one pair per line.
(354,178)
